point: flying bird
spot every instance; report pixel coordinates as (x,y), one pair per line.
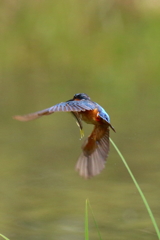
(95,149)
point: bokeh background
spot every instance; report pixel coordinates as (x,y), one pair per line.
(50,50)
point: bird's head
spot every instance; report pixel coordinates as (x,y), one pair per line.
(81,96)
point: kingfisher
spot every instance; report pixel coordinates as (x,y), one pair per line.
(95,148)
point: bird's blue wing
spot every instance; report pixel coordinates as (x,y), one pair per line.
(103,114)
(70,106)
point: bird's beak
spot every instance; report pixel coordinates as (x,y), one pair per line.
(70,100)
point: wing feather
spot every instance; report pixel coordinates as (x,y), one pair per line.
(91,163)
(70,106)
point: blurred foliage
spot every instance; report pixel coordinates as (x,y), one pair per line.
(102,47)
(50,50)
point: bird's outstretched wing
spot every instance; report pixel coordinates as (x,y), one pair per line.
(95,151)
(70,106)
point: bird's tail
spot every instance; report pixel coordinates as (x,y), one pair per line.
(95,151)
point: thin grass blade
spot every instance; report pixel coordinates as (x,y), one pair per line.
(139,189)
(86,222)
(1,235)
(95,222)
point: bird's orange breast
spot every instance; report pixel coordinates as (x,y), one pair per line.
(90,117)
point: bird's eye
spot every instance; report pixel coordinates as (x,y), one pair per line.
(77,96)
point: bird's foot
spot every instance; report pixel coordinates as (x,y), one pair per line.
(81,134)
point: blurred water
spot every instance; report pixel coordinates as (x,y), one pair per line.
(49,53)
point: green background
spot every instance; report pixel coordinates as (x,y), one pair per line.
(50,50)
